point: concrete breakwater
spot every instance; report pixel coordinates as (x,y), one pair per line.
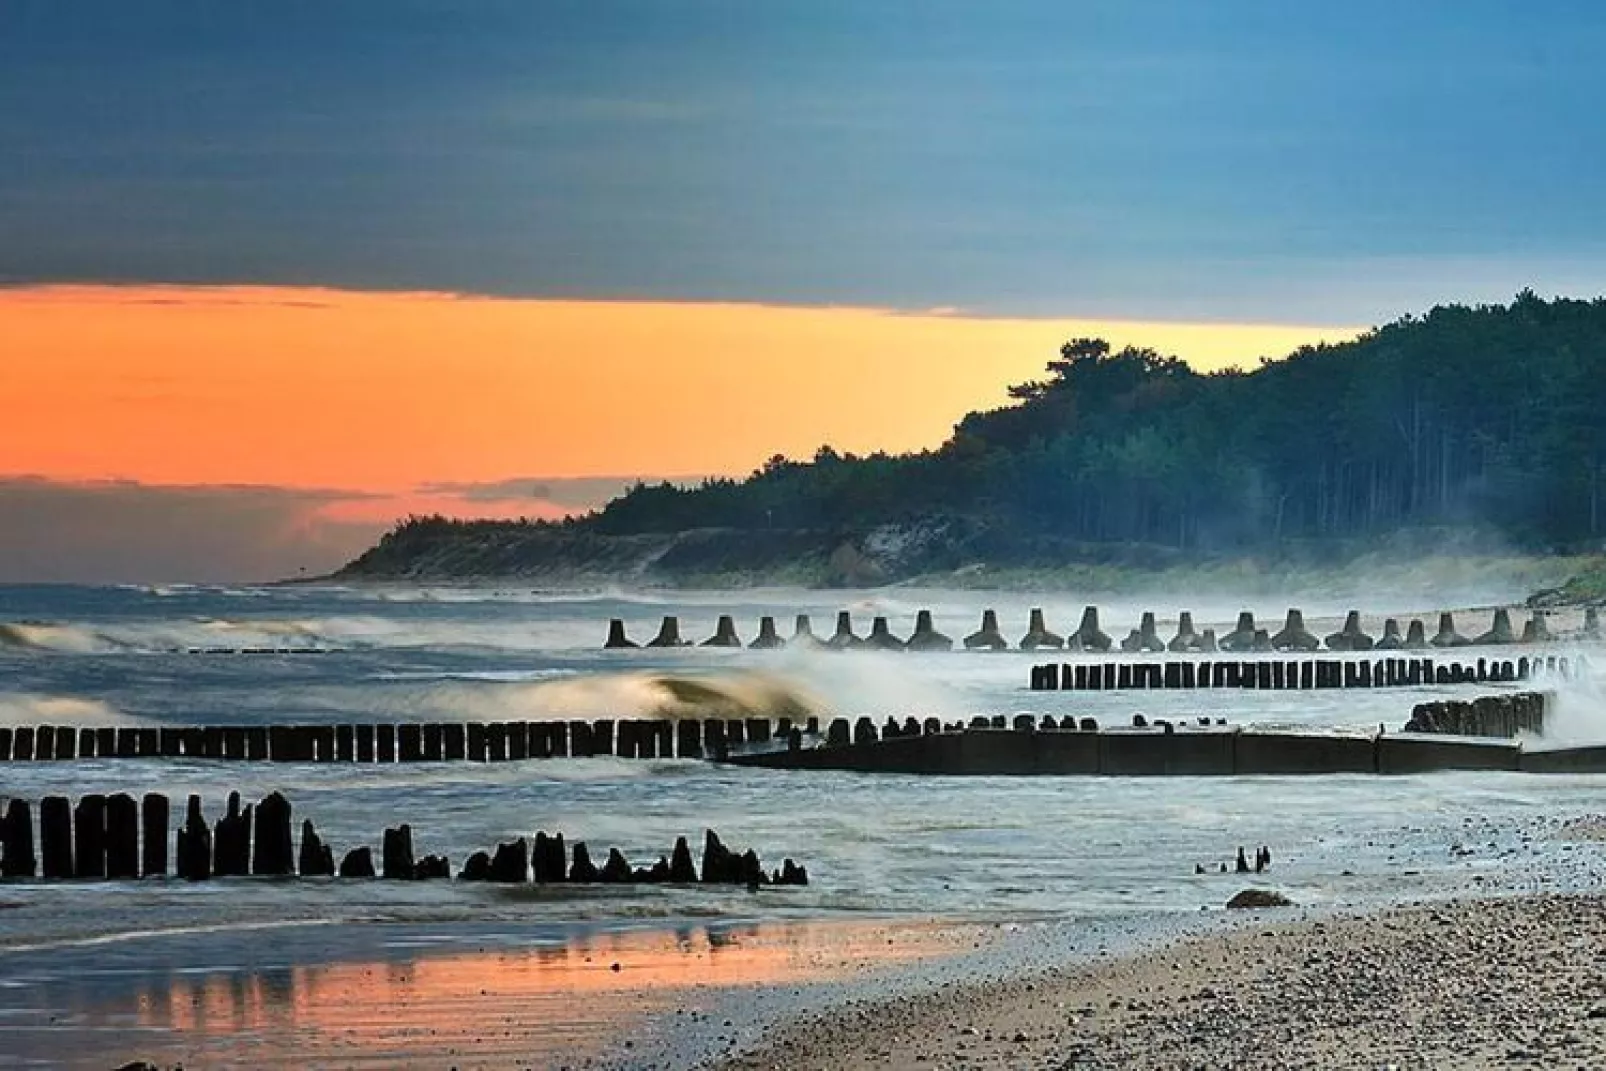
(1027,745)
(113,838)
(1245,636)
(1291,675)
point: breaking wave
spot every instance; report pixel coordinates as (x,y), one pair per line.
(641,694)
(19,708)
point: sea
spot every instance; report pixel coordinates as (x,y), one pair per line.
(312,973)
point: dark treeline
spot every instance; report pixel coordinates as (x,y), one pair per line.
(1467,417)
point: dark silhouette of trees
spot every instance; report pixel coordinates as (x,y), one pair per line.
(1490,417)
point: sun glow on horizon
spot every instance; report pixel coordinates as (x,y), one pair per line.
(385,392)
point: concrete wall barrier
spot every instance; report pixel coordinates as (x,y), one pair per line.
(1411,753)
(1150,752)
(1302,753)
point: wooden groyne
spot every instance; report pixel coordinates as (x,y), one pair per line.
(113,838)
(1289,674)
(503,741)
(1244,638)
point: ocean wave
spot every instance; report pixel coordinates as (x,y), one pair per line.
(636,694)
(45,636)
(23,708)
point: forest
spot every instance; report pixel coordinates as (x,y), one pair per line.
(1488,417)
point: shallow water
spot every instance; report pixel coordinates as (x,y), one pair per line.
(988,849)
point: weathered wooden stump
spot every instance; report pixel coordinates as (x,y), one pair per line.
(273,850)
(17,859)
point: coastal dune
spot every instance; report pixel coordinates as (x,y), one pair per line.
(1469,984)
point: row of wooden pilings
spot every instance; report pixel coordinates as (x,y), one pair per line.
(1277,675)
(407,742)
(111,837)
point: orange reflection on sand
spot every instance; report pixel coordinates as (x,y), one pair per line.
(576,997)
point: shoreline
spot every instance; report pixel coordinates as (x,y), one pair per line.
(1466,983)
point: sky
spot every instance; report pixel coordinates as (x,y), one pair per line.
(274,274)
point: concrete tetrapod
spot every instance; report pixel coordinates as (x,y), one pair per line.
(803,633)
(1038,635)
(1391,640)
(617,640)
(1294,635)
(1207,641)
(724,633)
(843,638)
(1537,630)
(668,634)
(768,639)
(1350,637)
(1499,630)
(988,636)
(1591,623)
(1186,639)
(1088,634)
(1241,638)
(926,637)
(881,637)
(1447,636)
(1416,636)
(1148,636)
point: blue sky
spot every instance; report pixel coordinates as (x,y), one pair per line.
(1233,160)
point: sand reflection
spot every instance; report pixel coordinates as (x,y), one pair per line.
(499,1002)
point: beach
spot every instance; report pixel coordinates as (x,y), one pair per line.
(933,903)
(1471,984)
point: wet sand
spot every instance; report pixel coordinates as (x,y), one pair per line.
(406,996)
(1472,984)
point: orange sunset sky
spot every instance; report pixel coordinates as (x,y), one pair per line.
(357,408)
(388,393)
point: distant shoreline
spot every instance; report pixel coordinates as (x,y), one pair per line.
(600,563)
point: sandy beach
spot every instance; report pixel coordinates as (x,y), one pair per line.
(1516,982)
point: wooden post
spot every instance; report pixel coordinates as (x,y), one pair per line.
(496,742)
(385,743)
(55,837)
(89,842)
(122,837)
(409,743)
(273,852)
(194,844)
(154,815)
(17,858)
